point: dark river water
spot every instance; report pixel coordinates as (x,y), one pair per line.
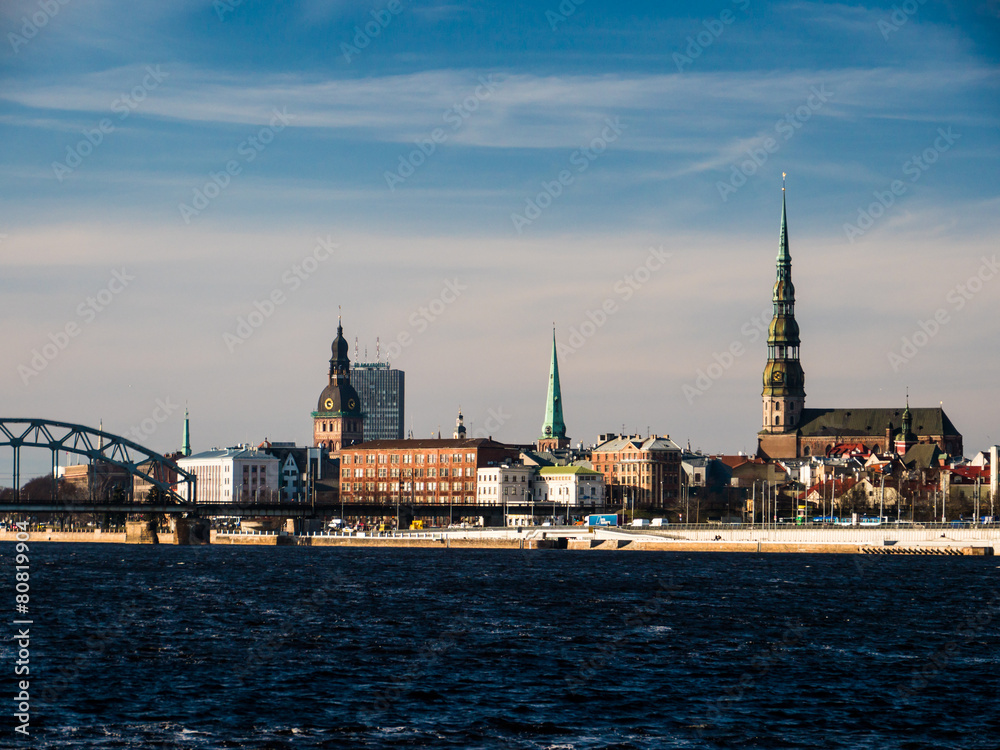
(237,647)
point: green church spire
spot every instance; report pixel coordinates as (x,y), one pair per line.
(554,427)
(783,255)
(186,439)
(784,382)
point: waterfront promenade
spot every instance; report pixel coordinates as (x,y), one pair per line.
(935,539)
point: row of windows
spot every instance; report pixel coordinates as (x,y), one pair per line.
(407,458)
(407,486)
(395,473)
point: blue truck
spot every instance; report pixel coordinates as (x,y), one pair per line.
(603,519)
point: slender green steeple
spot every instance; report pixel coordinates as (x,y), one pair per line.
(554,427)
(784,257)
(186,439)
(784,382)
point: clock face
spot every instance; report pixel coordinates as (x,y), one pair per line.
(328,404)
(351,403)
(777,376)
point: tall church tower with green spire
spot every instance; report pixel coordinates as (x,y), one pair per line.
(553,428)
(784,393)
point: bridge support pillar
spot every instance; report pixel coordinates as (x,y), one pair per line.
(141,532)
(192,531)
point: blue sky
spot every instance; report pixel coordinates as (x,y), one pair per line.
(655,138)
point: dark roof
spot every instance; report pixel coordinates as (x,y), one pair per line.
(872,422)
(922,456)
(429,443)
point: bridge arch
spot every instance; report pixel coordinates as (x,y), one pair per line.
(96,445)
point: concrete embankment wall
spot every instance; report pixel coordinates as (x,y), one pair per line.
(935,546)
(657,546)
(847,535)
(79,536)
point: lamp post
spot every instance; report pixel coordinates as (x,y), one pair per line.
(881,503)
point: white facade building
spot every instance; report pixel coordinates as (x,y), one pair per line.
(227,475)
(572,486)
(500,485)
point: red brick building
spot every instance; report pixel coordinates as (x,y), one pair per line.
(426,472)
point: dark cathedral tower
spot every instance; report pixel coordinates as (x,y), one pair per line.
(784,393)
(338,420)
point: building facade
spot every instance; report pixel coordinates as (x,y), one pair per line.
(506,484)
(790,430)
(569,486)
(231,475)
(339,419)
(426,472)
(644,471)
(382,391)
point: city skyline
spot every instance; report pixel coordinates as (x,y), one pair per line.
(657,153)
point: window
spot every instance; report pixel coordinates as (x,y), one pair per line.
(444,458)
(432,458)
(470,457)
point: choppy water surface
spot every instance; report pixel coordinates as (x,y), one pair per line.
(146,647)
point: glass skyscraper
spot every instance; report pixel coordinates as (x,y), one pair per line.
(381,391)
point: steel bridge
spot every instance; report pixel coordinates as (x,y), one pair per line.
(99,447)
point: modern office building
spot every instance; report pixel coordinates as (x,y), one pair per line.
(381,390)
